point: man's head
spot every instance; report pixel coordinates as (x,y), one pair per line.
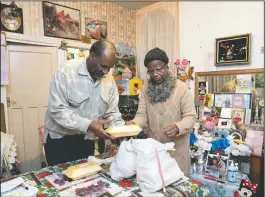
(156,62)
(101,59)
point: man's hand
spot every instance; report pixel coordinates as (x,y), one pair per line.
(171,130)
(129,122)
(96,126)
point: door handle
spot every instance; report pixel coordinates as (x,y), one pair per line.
(9,102)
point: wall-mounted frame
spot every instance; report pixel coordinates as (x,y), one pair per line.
(12,18)
(61,21)
(232,50)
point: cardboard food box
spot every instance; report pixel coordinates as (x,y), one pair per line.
(124,131)
(83,170)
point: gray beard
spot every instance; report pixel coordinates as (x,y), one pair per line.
(160,92)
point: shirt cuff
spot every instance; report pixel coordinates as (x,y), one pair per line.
(84,124)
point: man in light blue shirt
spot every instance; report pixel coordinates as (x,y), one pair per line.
(83,101)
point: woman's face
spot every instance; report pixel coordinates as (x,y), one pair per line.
(202,86)
(214,161)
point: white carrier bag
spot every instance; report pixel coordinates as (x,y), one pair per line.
(155,168)
(124,165)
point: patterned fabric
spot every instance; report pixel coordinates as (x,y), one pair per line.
(47,190)
(220,189)
(75,100)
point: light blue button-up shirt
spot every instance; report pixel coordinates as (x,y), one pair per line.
(75,100)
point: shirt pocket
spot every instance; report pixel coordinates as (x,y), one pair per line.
(76,98)
(105,97)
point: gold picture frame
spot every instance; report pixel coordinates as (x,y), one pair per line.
(233,50)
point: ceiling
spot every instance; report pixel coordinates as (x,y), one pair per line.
(134,5)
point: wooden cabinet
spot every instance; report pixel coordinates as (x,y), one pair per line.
(256,164)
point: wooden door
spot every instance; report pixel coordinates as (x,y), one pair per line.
(30,72)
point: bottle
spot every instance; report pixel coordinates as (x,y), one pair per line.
(231,174)
(236,168)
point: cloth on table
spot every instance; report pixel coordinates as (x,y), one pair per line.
(220,189)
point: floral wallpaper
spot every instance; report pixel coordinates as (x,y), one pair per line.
(120,20)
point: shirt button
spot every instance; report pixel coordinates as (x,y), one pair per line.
(160,126)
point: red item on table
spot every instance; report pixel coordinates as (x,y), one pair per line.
(126,183)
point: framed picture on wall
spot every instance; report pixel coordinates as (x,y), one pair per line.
(232,50)
(96,29)
(61,21)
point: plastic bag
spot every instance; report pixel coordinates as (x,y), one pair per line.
(155,168)
(124,165)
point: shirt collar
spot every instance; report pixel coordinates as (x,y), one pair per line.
(83,70)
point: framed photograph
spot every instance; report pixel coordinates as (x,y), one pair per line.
(61,21)
(11,19)
(208,100)
(232,50)
(202,88)
(223,100)
(216,165)
(238,101)
(238,113)
(224,123)
(96,29)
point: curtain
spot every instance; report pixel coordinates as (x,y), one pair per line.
(157,26)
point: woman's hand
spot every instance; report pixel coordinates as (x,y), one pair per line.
(171,130)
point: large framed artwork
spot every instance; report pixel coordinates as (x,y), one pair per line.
(61,21)
(232,50)
(96,29)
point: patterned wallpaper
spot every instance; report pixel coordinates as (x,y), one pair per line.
(120,20)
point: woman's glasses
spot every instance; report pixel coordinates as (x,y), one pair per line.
(152,72)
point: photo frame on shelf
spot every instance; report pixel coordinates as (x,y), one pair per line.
(238,101)
(232,50)
(223,100)
(61,21)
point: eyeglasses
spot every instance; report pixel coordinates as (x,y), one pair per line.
(152,72)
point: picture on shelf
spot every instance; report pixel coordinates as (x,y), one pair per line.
(223,100)
(244,84)
(208,100)
(202,88)
(96,29)
(226,113)
(224,123)
(216,165)
(238,101)
(247,101)
(238,113)
(216,111)
(232,50)
(61,21)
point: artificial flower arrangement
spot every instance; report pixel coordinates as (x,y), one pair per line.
(184,70)
(12,157)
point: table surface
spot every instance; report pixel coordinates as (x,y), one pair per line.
(46,189)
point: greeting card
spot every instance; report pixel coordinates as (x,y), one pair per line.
(256,137)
